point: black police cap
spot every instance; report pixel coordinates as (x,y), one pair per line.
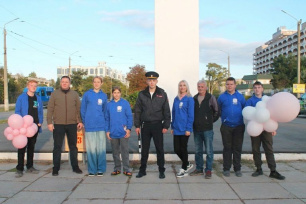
(152,75)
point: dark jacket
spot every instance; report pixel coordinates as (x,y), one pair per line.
(205,114)
(152,110)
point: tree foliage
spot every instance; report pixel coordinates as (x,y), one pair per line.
(77,81)
(216,74)
(33,75)
(136,78)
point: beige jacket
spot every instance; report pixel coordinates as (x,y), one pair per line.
(64,109)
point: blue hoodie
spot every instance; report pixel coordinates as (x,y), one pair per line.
(118,118)
(231,108)
(182,115)
(93,109)
(22,107)
(252,101)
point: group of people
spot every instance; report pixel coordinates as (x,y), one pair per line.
(152,118)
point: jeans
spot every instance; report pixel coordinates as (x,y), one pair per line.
(121,145)
(266,139)
(180,148)
(58,137)
(232,138)
(96,151)
(207,137)
(30,153)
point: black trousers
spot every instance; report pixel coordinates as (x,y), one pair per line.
(232,139)
(30,154)
(148,131)
(58,137)
(180,148)
(266,139)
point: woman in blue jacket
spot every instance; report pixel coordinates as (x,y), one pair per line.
(182,124)
(93,109)
(119,120)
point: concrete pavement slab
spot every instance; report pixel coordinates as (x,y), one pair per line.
(2,172)
(279,167)
(5,166)
(298,165)
(10,188)
(10,176)
(53,184)
(274,201)
(107,191)
(212,191)
(260,191)
(107,178)
(93,201)
(292,176)
(2,200)
(38,197)
(200,179)
(154,167)
(244,168)
(152,177)
(161,191)
(66,173)
(298,189)
(212,202)
(247,177)
(153,202)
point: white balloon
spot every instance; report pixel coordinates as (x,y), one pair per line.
(254,128)
(248,112)
(270,125)
(265,98)
(262,115)
(260,104)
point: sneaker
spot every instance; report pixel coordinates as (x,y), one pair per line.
(208,174)
(196,172)
(18,174)
(276,175)
(226,173)
(182,173)
(100,174)
(91,175)
(258,172)
(77,170)
(189,167)
(32,170)
(238,173)
(54,173)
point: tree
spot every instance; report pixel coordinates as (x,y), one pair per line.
(136,78)
(76,81)
(33,75)
(215,76)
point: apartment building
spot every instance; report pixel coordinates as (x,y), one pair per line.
(283,42)
(100,70)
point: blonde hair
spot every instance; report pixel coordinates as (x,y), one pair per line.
(97,77)
(187,86)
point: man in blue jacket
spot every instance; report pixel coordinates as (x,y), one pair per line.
(231,103)
(29,104)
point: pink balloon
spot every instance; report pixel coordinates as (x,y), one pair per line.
(30,132)
(270,126)
(8,130)
(28,120)
(25,126)
(35,127)
(20,141)
(254,128)
(15,121)
(15,132)
(23,131)
(10,137)
(283,107)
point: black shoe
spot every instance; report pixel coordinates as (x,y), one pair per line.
(162,175)
(276,175)
(77,170)
(141,174)
(54,173)
(258,172)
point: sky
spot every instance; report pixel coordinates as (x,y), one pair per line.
(121,33)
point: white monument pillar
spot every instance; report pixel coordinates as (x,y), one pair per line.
(177,44)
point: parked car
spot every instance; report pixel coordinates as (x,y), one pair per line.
(303,104)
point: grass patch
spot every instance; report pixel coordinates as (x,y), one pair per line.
(11,108)
(3,121)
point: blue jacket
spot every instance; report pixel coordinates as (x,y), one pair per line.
(182,115)
(118,118)
(252,101)
(93,109)
(22,107)
(231,108)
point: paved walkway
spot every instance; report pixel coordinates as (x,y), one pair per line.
(69,187)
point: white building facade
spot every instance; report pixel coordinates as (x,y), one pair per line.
(283,42)
(101,70)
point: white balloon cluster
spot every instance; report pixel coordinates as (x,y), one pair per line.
(281,107)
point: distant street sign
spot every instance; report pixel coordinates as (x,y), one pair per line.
(298,88)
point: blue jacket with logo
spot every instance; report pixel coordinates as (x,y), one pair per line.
(231,106)
(118,118)
(182,115)
(22,107)
(93,109)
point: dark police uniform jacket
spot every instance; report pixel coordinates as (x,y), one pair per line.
(152,110)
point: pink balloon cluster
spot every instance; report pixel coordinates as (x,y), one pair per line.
(19,129)
(281,107)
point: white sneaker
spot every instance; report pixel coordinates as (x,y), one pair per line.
(181,173)
(189,167)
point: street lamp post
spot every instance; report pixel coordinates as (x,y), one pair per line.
(298,49)
(70,63)
(228,63)
(5,81)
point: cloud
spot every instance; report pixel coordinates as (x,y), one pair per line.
(130,18)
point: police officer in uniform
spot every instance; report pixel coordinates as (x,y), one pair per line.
(152,115)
